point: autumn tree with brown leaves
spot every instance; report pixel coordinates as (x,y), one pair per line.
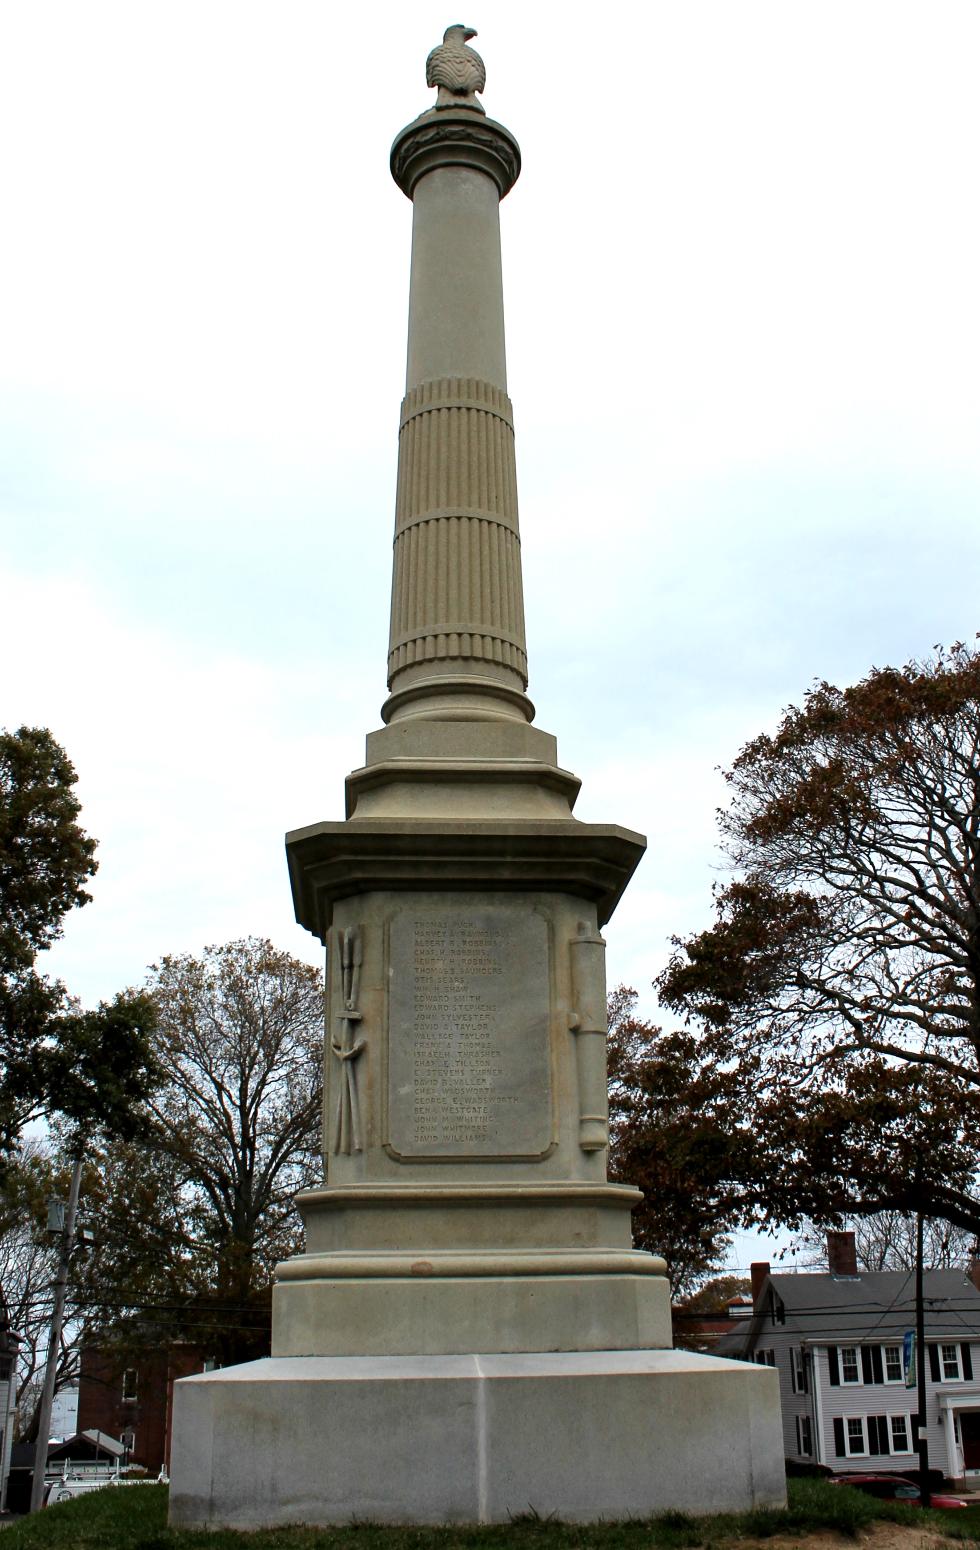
(675,1133)
(235,1124)
(195,1213)
(841,976)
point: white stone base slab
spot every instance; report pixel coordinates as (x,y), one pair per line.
(474,1439)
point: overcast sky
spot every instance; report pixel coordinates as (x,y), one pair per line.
(741,280)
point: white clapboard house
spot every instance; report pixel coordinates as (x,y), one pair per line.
(837,1343)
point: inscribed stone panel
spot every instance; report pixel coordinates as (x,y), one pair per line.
(468,1019)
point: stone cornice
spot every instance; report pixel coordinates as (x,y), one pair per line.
(455,138)
(331,861)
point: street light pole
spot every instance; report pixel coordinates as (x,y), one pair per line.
(54,1339)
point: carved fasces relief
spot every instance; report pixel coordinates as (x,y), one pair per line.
(469,1048)
(347,1046)
(588,1023)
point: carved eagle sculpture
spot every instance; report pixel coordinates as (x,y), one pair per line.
(458,71)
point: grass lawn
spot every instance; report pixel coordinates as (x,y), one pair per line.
(135,1518)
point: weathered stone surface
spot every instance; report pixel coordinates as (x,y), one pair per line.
(469,1033)
(475,1439)
(329,862)
(372,916)
(506,1303)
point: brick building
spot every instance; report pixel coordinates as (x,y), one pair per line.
(131,1396)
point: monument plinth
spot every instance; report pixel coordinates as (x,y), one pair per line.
(469,1331)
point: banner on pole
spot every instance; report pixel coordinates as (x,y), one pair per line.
(908,1357)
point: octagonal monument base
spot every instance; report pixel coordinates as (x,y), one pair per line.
(474,1439)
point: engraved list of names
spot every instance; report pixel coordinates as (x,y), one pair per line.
(468,1061)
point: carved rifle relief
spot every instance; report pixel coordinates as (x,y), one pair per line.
(347,1136)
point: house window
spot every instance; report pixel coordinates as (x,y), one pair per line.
(878,1434)
(804,1436)
(950,1356)
(893,1364)
(900,1434)
(129,1385)
(855,1435)
(765,1358)
(849,1364)
(798,1370)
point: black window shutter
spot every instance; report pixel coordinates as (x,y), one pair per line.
(967,1360)
(872,1427)
(878,1434)
(934,1363)
(866,1364)
(883,1446)
(834,1366)
(839,1447)
(878,1370)
(915,1431)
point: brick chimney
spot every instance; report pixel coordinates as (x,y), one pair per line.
(842,1254)
(973,1269)
(758,1271)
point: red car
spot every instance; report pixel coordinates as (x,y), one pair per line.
(897,1488)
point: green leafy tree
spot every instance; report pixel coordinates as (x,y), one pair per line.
(841,977)
(45,858)
(45,861)
(91,1072)
(92,1067)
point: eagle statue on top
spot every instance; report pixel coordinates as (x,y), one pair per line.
(458,71)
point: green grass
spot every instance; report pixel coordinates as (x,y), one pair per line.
(136,1519)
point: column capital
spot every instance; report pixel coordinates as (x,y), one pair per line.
(455,137)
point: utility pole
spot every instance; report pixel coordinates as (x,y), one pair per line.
(67,1236)
(920,1366)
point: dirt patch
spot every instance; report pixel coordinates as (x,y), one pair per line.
(881,1536)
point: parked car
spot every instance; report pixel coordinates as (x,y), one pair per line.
(897,1488)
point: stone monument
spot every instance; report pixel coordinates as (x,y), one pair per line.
(469,1332)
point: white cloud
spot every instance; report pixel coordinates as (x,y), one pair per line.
(191,766)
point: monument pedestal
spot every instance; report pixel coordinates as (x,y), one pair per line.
(582,1435)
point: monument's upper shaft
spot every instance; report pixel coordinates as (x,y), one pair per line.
(457,649)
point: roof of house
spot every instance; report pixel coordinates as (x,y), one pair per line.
(89,1444)
(826,1309)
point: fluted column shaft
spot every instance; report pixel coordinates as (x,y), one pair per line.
(457,647)
(456,591)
